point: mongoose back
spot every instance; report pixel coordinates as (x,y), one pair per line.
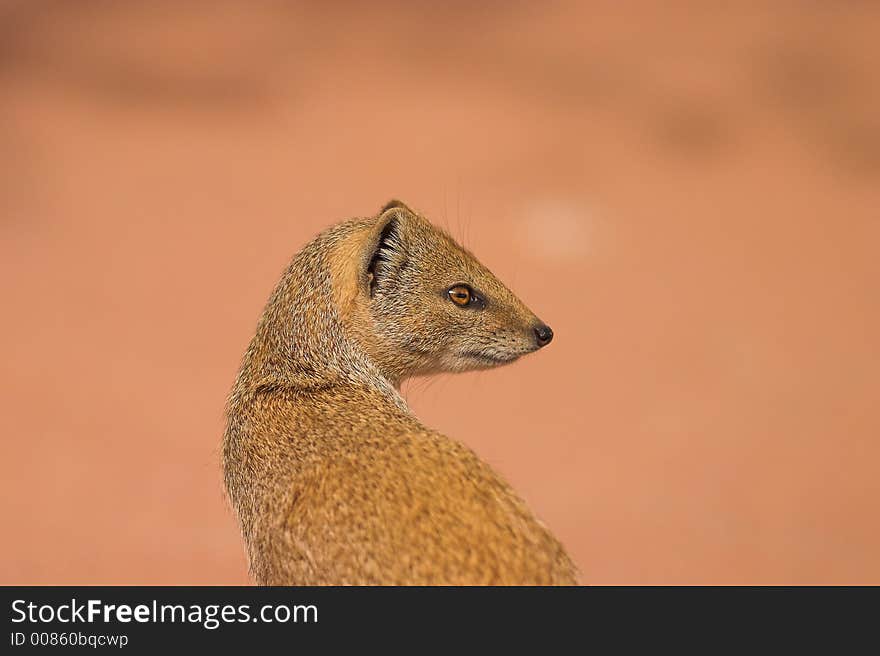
(333,480)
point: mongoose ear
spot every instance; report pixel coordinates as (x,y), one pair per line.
(395,204)
(386,250)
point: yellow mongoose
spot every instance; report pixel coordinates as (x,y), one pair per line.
(333,479)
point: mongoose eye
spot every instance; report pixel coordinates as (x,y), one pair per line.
(461,295)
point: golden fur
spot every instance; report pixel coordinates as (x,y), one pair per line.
(333,480)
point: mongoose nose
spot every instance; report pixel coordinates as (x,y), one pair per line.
(543,334)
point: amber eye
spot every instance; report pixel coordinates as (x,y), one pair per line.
(460,295)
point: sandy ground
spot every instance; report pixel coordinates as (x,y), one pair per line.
(688,196)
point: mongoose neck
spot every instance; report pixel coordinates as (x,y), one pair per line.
(302,340)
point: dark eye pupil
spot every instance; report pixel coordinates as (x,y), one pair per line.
(460,295)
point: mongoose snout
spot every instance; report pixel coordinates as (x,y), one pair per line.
(543,334)
(333,479)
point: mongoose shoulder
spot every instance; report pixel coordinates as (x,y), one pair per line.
(333,480)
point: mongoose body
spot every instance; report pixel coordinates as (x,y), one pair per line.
(333,480)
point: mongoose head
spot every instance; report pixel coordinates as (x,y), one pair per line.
(420,303)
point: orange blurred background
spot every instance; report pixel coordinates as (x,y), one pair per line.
(687,194)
